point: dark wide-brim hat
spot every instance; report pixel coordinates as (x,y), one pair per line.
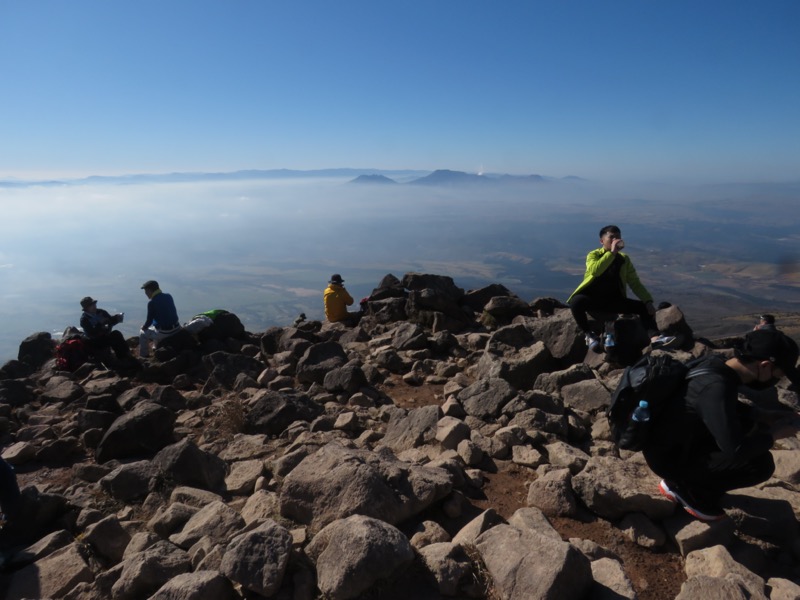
(775,346)
(87,302)
(337,279)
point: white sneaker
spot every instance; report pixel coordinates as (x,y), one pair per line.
(593,342)
(664,341)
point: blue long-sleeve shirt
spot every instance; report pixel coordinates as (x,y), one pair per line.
(161,312)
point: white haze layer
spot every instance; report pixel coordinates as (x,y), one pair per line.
(265,249)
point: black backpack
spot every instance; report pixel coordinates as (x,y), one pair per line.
(657,379)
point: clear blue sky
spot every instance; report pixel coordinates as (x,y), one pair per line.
(604,89)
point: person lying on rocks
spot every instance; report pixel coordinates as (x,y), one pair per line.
(97,325)
(609,272)
(708,442)
(162,318)
(337,299)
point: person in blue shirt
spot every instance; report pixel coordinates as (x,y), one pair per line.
(162,318)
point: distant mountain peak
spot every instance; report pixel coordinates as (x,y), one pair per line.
(379,179)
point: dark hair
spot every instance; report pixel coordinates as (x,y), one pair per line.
(610,229)
(768,319)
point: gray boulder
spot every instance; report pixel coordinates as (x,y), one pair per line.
(143,573)
(336,482)
(187,465)
(257,560)
(612,487)
(410,430)
(318,360)
(143,431)
(131,481)
(272,412)
(200,585)
(353,554)
(526,565)
(486,397)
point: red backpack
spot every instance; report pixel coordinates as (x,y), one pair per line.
(71,354)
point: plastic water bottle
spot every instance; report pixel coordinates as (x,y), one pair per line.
(641,414)
(636,432)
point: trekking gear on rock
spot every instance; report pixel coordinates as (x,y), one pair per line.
(654,379)
(71,354)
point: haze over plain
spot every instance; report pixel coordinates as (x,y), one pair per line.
(655,105)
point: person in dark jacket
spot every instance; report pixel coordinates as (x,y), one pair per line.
(709,442)
(97,325)
(162,318)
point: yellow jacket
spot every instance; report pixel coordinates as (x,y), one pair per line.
(336,302)
(597,261)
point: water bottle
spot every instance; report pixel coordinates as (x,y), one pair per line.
(609,341)
(641,414)
(636,433)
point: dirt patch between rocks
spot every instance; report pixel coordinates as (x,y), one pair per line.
(412,396)
(655,575)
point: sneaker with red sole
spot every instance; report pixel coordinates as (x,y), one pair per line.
(695,506)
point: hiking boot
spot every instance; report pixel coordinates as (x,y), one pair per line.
(593,342)
(694,505)
(664,341)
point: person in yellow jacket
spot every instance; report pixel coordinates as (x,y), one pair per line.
(609,272)
(337,299)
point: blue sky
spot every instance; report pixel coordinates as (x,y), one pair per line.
(617,90)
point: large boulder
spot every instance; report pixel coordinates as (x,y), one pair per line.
(36,349)
(318,360)
(257,560)
(186,464)
(353,554)
(412,429)
(528,565)
(612,487)
(336,482)
(272,412)
(143,573)
(141,432)
(485,397)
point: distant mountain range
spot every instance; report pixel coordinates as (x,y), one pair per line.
(368,176)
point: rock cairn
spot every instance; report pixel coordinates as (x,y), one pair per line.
(286,465)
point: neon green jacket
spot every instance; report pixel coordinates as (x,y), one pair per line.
(597,261)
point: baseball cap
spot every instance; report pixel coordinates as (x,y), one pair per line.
(150,285)
(87,302)
(776,347)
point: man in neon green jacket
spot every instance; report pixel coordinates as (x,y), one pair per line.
(609,272)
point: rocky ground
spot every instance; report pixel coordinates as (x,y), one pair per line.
(453,445)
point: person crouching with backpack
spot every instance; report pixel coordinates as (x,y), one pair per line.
(708,443)
(97,325)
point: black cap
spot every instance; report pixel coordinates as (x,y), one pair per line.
(337,279)
(776,347)
(150,285)
(87,302)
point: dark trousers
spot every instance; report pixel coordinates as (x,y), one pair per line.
(114,340)
(714,474)
(9,490)
(582,303)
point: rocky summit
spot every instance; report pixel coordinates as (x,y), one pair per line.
(452,445)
